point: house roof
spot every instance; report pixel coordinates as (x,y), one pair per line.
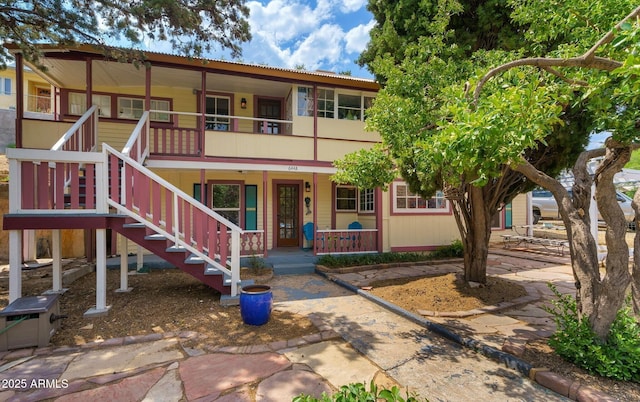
(66,67)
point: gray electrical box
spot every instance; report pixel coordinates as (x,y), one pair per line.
(29,321)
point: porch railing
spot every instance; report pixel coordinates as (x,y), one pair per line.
(188,141)
(346,241)
(47,182)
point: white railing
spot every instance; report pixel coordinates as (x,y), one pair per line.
(162,207)
(82,136)
(137,147)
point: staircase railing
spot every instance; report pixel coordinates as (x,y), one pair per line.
(82,136)
(137,147)
(151,200)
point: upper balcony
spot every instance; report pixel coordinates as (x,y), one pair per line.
(229,111)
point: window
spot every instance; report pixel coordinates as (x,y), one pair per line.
(305,101)
(345,198)
(349,107)
(225,200)
(78,104)
(368,102)
(407,202)
(217,107)
(159,106)
(6,87)
(130,108)
(367,200)
(326,103)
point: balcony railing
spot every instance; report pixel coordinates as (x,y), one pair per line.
(38,104)
(188,141)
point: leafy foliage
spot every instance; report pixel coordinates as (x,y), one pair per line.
(191,26)
(338,261)
(617,358)
(358,392)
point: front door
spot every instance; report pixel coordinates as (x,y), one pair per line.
(269,109)
(288,215)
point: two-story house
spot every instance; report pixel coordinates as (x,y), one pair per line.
(201,162)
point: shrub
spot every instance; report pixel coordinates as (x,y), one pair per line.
(618,358)
(352,260)
(358,393)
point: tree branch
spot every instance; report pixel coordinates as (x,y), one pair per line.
(587,60)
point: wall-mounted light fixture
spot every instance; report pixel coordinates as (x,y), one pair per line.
(243,103)
(307,187)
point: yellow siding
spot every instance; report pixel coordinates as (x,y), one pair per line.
(345,129)
(303,126)
(219,143)
(330,150)
(115,134)
(42,134)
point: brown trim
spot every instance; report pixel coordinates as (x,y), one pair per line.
(62,221)
(219,159)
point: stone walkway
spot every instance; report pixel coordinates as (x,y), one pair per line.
(358,340)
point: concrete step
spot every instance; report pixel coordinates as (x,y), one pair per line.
(299,268)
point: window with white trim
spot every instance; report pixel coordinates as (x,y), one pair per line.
(367,200)
(346,198)
(225,200)
(405,201)
(160,106)
(130,108)
(326,103)
(78,104)
(217,108)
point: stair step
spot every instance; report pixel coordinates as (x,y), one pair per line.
(175,249)
(134,225)
(155,236)
(294,269)
(193,259)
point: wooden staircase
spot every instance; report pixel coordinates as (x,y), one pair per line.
(179,257)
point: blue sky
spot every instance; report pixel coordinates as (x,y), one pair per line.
(319,35)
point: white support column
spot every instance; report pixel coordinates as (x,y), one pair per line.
(235,262)
(56,255)
(139,259)
(15,265)
(101,307)
(28,245)
(124,265)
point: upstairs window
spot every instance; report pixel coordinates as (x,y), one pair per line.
(349,107)
(217,108)
(78,104)
(326,103)
(305,101)
(6,86)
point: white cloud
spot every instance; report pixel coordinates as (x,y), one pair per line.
(349,6)
(358,37)
(324,46)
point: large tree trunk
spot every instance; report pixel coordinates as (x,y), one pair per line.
(599,297)
(474,222)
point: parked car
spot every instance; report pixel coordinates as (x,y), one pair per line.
(545,207)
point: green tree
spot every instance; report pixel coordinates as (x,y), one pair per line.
(192,27)
(469,124)
(421,93)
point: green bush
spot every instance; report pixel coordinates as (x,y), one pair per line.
(358,393)
(352,260)
(618,358)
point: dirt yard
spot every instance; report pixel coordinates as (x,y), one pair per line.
(170,301)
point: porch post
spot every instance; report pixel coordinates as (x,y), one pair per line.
(19,98)
(15,265)
(139,259)
(264,212)
(315,212)
(379,223)
(124,265)
(203,110)
(101,307)
(56,254)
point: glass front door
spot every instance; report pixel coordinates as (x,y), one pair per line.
(288,215)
